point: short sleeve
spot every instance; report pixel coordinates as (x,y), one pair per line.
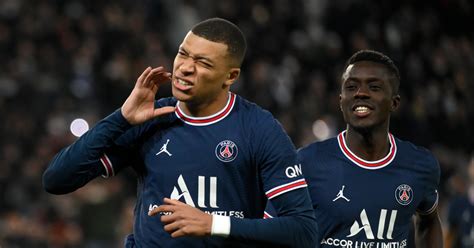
(430,199)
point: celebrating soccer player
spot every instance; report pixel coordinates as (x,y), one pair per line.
(207,159)
(365,184)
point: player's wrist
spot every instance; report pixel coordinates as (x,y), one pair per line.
(220,226)
(126,115)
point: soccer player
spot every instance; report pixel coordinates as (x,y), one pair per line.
(207,159)
(365,184)
(460,231)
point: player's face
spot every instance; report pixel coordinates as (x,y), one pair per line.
(367,97)
(202,71)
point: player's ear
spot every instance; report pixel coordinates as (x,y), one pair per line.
(395,102)
(340,102)
(232,76)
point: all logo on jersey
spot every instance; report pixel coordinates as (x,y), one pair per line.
(367,227)
(404,194)
(226,151)
(181,191)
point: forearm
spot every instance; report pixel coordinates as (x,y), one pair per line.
(79,163)
(429,232)
(296,228)
(294,231)
(450,238)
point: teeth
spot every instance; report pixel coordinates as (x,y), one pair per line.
(361,109)
(183,82)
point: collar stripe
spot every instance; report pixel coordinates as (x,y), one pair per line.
(371,165)
(203,121)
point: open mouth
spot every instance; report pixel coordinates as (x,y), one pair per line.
(362,111)
(182,84)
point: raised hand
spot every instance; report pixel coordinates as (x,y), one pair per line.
(140,104)
(184,220)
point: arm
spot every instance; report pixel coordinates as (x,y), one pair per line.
(428,230)
(84,160)
(296,215)
(428,227)
(451,236)
(77,164)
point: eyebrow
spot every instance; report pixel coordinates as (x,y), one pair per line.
(370,79)
(197,57)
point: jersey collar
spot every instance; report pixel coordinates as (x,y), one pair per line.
(207,120)
(370,165)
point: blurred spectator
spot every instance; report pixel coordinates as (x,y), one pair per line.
(63,60)
(460,231)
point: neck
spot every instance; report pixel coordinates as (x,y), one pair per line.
(205,108)
(368,144)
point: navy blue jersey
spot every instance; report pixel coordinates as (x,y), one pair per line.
(227,164)
(361,203)
(461,220)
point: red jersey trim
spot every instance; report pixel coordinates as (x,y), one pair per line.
(204,121)
(109,169)
(371,165)
(266,215)
(301,183)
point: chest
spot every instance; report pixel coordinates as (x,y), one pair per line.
(196,151)
(347,191)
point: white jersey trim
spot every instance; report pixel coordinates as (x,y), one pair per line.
(207,120)
(370,165)
(109,168)
(287,187)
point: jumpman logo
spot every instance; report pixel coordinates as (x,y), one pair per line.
(165,149)
(341,195)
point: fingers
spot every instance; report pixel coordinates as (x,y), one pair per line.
(156,76)
(174,202)
(163,111)
(169,205)
(162,208)
(181,228)
(144,74)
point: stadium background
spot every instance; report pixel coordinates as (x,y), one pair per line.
(62,60)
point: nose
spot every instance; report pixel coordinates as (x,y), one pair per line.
(362,92)
(187,67)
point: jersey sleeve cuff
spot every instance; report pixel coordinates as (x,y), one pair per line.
(432,209)
(109,169)
(220,226)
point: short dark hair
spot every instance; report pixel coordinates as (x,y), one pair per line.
(380,58)
(223,31)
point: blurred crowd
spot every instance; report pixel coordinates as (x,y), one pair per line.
(62,60)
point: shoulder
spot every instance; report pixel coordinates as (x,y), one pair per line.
(319,146)
(251,110)
(256,118)
(167,101)
(418,154)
